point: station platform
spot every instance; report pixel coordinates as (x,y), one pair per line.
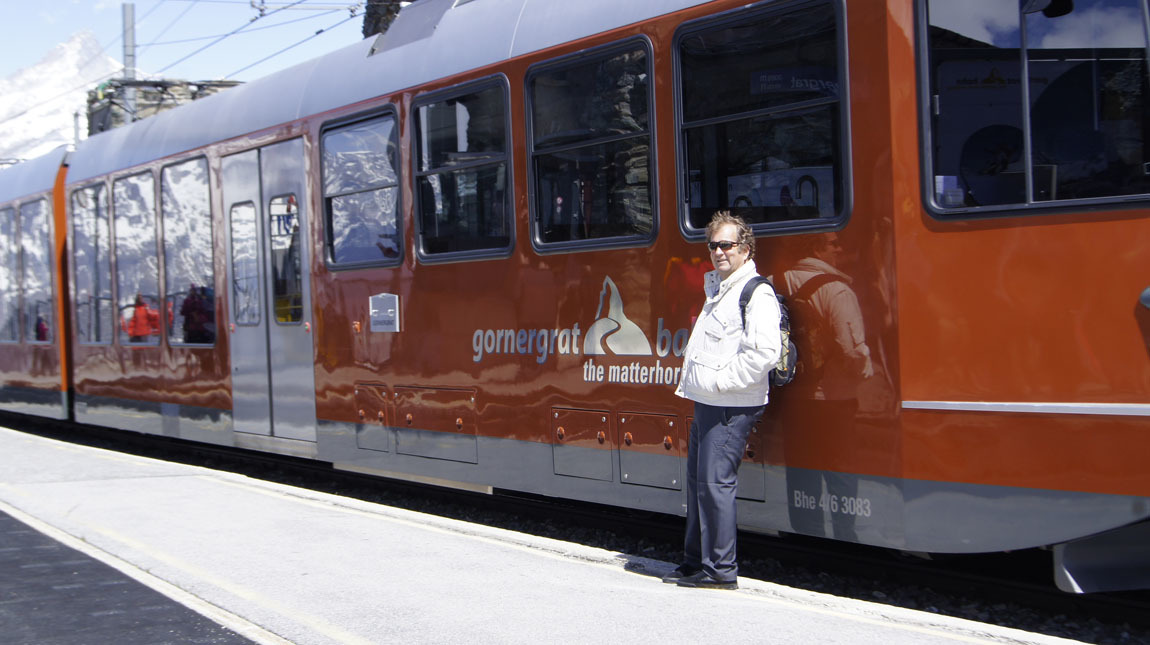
(199,556)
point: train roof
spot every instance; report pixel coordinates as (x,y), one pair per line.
(430,39)
(32,176)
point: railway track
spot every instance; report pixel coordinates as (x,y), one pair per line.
(1012,590)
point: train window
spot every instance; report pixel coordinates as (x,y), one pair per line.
(137,264)
(287,273)
(592,163)
(92,265)
(36,245)
(361,192)
(9,277)
(245,264)
(1035,104)
(189,277)
(463,193)
(762,121)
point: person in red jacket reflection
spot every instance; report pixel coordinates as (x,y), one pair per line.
(144,322)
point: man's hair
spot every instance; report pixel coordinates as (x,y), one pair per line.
(746,236)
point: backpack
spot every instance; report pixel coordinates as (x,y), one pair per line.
(817,341)
(784,370)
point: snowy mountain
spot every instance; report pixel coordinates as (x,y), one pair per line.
(38,103)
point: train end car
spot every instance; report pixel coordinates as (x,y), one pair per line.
(33,330)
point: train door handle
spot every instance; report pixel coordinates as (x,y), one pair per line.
(1145,299)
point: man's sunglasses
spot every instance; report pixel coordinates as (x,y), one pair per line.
(725,245)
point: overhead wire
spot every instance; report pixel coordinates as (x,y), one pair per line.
(218,39)
(228,35)
(248,31)
(191,5)
(270,56)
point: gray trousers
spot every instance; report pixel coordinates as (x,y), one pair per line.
(718,441)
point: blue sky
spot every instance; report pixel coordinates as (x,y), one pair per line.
(170,30)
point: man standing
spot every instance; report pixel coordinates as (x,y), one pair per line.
(725,372)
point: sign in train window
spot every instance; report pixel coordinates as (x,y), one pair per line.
(762,131)
(287,272)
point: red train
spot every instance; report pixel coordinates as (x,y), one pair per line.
(467,252)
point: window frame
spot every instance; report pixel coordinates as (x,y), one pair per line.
(845,146)
(573,60)
(475,86)
(993,211)
(381,112)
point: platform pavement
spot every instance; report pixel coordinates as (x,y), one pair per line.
(278,564)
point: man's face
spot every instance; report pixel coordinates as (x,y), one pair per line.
(729,260)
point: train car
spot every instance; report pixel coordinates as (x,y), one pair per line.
(33,356)
(468,252)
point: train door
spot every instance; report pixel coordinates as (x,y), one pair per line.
(273,378)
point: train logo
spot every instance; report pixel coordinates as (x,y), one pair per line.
(611,334)
(613,329)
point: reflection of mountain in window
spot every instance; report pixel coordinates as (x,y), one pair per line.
(137,267)
(9,277)
(361,192)
(188,265)
(592,158)
(245,264)
(92,265)
(36,242)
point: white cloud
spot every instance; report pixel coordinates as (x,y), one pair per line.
(983,20)
(1096,27)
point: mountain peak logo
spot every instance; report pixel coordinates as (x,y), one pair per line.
(612,332)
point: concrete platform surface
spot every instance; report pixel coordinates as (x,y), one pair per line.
(277,564)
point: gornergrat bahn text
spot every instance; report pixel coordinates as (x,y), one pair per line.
(468,252)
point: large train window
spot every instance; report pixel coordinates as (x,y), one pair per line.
(189,275)
(763,126)
(463,191)
(245,264)
(287,272)
(592,163)
(361,192)
(36,245)
(137,264)
(9,277)
(92,265)
(1035,104)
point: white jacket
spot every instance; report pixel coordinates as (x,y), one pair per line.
(724,364)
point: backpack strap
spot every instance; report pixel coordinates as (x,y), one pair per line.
(748,291)
(812,285)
